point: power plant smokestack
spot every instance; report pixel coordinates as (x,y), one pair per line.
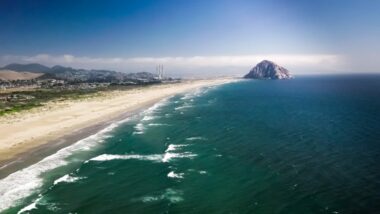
(160,71)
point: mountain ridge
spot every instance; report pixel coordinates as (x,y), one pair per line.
(31,67)
(77,75)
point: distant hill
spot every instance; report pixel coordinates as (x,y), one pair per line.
(79,75)
(14,75)
(268,70)
(33,67)
(83,75)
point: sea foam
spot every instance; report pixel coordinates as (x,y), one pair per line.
(196,138)
(67,179)
(197,93)
(23,183)
(169,156)
(109,157)
(174,147)
(139,128)
(170,153)
(148,115)
(30,207)
(158,124)
(184,106)
(172,174)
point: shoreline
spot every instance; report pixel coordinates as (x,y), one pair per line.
(37,147)
(38,153)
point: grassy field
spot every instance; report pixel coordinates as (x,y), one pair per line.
(24,100)
(27,99)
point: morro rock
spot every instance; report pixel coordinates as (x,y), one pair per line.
(268,70)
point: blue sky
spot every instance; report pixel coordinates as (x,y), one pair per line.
(223,36)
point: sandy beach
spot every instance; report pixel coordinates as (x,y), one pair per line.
(27,132)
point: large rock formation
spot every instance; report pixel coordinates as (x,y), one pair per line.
(268,70)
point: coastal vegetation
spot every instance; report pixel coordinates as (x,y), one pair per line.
(20,100)
(23,100)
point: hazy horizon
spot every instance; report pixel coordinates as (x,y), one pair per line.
(193,38)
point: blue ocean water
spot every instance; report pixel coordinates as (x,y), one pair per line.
(307,145)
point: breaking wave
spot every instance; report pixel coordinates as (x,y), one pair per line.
(149,116)
(195,138)
(23,183)
(173,147)
(140,128)
(158,124)
(172,174)
(108,157)
(67,179)
(30,207)
(169,156)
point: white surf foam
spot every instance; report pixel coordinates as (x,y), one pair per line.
(67,179)
(157,106)
(109,157)
(158,124)
(187,96)
(49,206)
(174,147)
(31,206)
(147,199)
(172,174)
(148,115)
(202,172)
(140,128)
(166,157)
(22,183)
(195,93)
(196,138)
(169,156)
(170,153)
(185,106)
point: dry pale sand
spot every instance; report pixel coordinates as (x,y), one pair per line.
(28,130)
(13,75)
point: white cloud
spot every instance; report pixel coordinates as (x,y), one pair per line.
(188,65)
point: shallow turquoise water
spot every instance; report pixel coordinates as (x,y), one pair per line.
(308,145)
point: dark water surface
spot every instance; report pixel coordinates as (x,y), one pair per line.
(307,145)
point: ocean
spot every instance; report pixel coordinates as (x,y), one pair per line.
(306,145)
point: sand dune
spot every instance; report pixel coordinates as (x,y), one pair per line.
(13,75)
